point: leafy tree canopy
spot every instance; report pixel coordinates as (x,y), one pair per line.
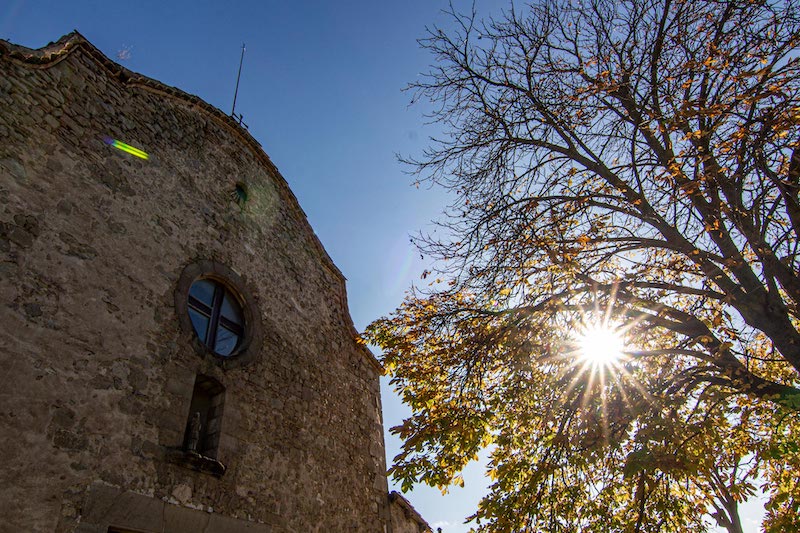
(635,165)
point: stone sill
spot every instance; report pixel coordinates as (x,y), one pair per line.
(195,461)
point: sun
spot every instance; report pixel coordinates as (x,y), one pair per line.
(600,345)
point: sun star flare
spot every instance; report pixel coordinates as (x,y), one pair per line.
(600,344)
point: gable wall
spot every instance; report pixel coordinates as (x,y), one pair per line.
(98,374)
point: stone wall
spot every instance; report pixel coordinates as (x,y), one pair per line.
(98,373)
(404,518)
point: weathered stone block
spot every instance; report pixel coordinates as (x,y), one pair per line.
(223,524)
(109,506)
(180,520)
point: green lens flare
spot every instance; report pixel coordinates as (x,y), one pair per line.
(127,148)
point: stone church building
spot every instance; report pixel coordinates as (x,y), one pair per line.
(176,346)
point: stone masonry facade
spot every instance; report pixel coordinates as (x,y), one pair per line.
(99,366)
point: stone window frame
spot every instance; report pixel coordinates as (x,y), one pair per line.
(251,341)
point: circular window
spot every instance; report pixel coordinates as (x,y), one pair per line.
(218,313)
(216,316)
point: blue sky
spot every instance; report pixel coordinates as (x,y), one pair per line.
(321,90)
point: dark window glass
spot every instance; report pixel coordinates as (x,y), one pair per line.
(216,316)
(231,310)
(200,323)
(226,341)
(203,291)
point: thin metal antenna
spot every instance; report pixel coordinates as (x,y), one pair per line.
(236,92)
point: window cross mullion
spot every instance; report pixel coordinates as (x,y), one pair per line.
(216,306)
(199,306)
(231,325)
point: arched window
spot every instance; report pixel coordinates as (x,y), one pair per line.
(205,417)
